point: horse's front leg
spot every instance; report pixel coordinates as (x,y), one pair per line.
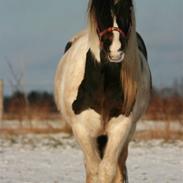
(89,148)
(118,130)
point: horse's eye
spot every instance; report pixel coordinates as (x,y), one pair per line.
(110,38)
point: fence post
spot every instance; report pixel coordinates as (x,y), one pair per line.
(1,100)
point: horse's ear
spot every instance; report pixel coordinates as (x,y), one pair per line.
(123,1)
(115,1)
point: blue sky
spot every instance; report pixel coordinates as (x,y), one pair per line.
(33,34)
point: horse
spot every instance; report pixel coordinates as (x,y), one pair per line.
(103,87)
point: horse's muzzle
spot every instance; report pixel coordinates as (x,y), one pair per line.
(116,58)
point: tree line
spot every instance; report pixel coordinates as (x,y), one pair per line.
(165,103)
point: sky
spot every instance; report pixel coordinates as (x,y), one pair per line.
(33,34)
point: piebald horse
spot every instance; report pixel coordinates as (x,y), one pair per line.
(103,86)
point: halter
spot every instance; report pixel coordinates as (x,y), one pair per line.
(111,29)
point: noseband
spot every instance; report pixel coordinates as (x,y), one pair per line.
(108,30)
(111,29)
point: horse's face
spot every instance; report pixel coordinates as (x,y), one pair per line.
(113,42)
(114,21)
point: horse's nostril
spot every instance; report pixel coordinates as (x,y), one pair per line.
(116,54)
(116,57)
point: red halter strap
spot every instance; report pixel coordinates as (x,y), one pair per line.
(111,29)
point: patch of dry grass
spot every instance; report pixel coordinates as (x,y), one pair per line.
(24,130)
(159,134)
(163,107)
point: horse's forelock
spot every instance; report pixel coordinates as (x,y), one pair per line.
(101,11)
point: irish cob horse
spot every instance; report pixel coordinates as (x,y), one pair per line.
(103,86)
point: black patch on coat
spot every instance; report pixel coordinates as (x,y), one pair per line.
(101,143)
(68,45)
(122,10)
(100,89)
(141,45)
(105,10)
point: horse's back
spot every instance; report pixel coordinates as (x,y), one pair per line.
(141,45)
(75,38)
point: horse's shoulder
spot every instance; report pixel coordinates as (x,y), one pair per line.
(77,37)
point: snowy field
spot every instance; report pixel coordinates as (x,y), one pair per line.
(58,159)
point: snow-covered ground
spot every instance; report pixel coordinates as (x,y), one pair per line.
(58,159)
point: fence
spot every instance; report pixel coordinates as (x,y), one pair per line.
(1,100)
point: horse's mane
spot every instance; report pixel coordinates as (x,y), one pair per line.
(130,70)
(93,38)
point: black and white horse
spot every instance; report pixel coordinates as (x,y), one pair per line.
(103,86)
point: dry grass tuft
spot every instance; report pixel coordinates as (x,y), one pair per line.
(159,134)
(13,131)
(166,105)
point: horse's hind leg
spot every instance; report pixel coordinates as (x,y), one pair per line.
(122,164)
(126,174)
(122,175)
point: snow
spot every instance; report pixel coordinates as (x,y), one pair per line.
(58,159)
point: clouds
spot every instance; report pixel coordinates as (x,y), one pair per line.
(161,24)
(33,35)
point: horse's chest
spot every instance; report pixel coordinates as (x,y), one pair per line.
(100,90)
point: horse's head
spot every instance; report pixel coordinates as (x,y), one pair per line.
(113,22)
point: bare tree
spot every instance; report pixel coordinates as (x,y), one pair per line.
(16,83)
(1,100)
(16,77)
